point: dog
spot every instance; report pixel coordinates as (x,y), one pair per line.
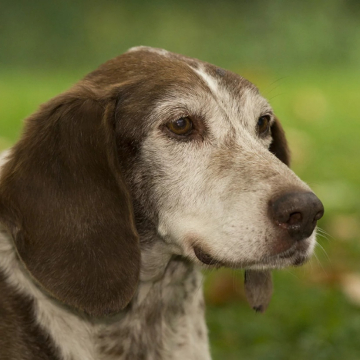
(121,189)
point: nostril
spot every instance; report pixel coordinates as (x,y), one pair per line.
(295,218)
(319,215)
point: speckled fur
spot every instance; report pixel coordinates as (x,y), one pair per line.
(165,320)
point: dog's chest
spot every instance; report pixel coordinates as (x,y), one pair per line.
(165,321)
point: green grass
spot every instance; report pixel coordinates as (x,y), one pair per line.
(310,317)
(21,93)
(303,322)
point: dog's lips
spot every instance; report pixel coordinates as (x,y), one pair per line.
(296,253)
(295,256)
(204,257)
(287,254)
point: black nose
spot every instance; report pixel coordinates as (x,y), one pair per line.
(297,213)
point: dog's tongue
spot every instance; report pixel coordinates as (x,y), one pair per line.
(258,288)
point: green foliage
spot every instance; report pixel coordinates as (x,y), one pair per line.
(278,33)
(303,322)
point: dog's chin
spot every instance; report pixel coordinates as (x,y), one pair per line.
(295,256)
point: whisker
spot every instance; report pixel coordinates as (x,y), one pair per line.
(266,89)
(321,265)
(324,233)
(322,248)
(273,97)
(290,271)
(323,236)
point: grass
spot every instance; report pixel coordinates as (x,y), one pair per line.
(314,313)
(304,321)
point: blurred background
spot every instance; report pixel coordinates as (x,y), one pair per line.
(304,56)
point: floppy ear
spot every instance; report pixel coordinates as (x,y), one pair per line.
(279,146)
(63,199)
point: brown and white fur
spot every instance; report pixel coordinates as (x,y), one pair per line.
(106,215)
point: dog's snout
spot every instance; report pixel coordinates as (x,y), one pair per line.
(297,213)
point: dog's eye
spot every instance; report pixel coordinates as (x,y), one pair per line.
(263,125)
(182,126)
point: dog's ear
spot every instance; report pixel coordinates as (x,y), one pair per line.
(65,202)
(279,146)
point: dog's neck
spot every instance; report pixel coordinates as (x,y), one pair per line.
(165,315)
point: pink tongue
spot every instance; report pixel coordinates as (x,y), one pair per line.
(258,288)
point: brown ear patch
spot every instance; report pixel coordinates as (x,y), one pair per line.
(279,146)
(65,202)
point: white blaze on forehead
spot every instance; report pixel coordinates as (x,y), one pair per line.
(149,49)
(224,99)
(3,157)
(209,80)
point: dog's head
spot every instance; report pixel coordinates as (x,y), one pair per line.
(193,150)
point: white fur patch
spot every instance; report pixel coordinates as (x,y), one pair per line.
(3,157)
(149,49)
(210,81)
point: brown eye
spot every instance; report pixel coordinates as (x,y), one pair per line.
(182,126)
(263,125)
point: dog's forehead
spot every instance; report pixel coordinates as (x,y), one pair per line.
(236,96)
(161,80)
(211,74)
(163,67)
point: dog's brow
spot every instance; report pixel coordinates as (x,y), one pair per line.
(209,80)
(222,97)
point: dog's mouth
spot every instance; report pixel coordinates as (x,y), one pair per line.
(295,256)
(204,257)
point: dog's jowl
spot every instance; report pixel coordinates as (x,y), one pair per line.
(121,189)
